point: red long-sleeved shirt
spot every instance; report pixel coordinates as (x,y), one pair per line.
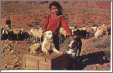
(53,24)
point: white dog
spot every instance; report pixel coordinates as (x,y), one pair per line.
(48,44)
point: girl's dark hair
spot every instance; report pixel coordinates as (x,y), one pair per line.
(57,5)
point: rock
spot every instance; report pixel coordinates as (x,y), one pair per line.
(10,67)
(11,51)
(5,66)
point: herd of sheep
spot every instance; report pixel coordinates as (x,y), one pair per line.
(44,40)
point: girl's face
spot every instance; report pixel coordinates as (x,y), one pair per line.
(53,10)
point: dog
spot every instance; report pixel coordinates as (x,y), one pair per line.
(47,44)
(75,46)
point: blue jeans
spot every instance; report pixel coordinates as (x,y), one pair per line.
(57,40)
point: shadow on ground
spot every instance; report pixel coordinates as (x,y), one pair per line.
(65,62)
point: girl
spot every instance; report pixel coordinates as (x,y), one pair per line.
(54,21)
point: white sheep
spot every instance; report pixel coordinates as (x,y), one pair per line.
(5,29)
(101,30)
(16,30)
(82,28)
(36,33)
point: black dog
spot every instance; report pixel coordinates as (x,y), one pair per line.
(76,43)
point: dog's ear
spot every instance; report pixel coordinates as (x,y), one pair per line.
(44,34)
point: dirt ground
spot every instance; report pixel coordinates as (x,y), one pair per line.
(95,53)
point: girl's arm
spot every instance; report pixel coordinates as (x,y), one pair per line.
(64,24)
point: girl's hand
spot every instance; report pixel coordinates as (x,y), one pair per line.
(68,35)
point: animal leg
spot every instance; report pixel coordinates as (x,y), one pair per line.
(54,49)
(78,52)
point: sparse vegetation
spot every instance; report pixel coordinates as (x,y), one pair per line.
(81,13)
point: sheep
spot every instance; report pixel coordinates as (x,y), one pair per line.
(83,28)
(47,44)
(36,33)
(98,33)
(94,28)
(101,30)
(89,31)
(10,34)
(16,30)
(34,47)
(23,35)
(4,30)
(15,33)
(4,34)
